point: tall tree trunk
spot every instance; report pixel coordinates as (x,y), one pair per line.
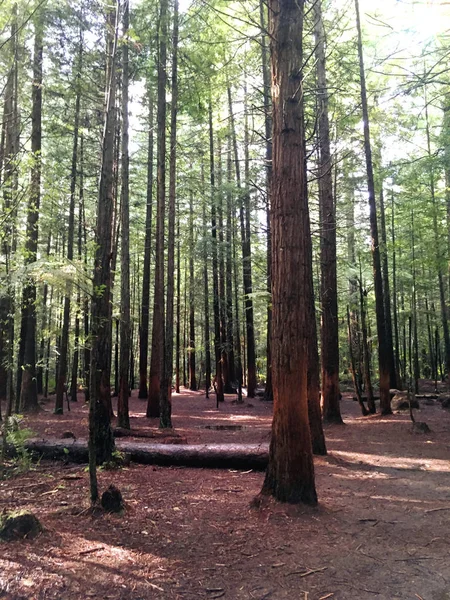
(166,382)
(330,323)
(290,473)
(125,309)
(28,393)
(206,296)
(393,378)
(218,380)
(394,294)
(439,253)
(64,349)
(145,303)
(9,188)
(191,355)
(383,361)
(244,218)
(178,348)
(365,346)
(101,440)
(229,272)
(158,327)
(268,392)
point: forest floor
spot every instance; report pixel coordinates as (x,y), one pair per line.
(381,530)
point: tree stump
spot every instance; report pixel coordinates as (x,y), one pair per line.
(112,500)
(19,525)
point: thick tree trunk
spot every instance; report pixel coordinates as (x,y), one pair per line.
(101,441)
(158,327)
(28,393)
(330,323)
(125,308)
(145,302)
(383,360)
(290,473)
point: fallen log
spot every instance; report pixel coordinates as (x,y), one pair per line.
(212,456)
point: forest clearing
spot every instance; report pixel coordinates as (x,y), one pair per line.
(380,531)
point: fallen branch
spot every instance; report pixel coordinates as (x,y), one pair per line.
(308,572)
(432,510)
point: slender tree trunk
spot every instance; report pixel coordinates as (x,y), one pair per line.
(28,393)
(383,360)
(330,324)
(353,368)
(268,392)
(290,473)
(178,349)
(218,381)
(123,417)
(439,253)
(365,347)
(61,387)
(145,303)
(393,378)
(191,355)
(229,272)
(394,295)
(158,327)
(166,382)
(9,131)
(244,218)
(101,440)
(206,295)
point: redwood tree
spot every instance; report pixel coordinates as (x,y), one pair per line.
(290,473)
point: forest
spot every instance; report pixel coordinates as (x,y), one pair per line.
(224,299)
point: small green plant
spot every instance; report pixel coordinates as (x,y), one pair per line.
(16,436)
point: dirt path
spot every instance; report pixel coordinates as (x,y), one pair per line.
(381,530)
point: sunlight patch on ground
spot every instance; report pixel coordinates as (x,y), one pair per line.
(396,462)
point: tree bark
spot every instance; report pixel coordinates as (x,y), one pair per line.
(64,349)
(166,382)
(268,392)
(218,380)
(101,441)
(28,393)
(290,473)
(244,218)
(158,327)
(191,351)
(330,323)
(125,308)
(145,302)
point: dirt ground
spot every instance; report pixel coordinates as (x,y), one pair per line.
(381,529)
